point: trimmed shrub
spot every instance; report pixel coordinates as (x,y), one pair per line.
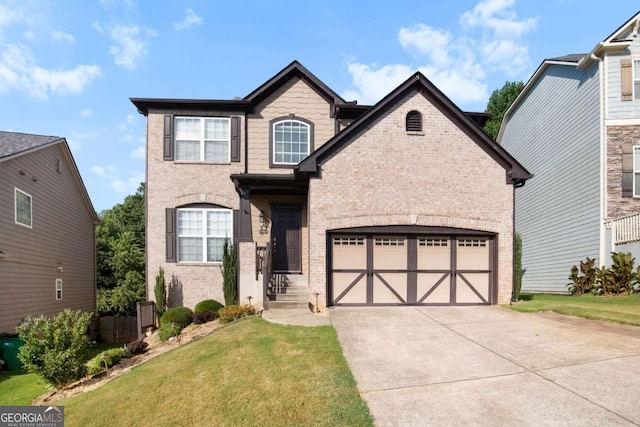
(233,312)
(138,346)
(208,305)
(230,272)
(168,330)
(181,316)
(56,348)
(160,291)
(200,317)
(107,358)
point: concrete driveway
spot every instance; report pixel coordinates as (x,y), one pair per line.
(489,366)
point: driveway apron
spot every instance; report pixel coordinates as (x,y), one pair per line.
(421,366)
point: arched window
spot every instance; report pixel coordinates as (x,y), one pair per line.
(291,141)
(414,121)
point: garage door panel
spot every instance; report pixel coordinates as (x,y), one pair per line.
(390,288)
(472,288)
(349,288)
(473,254)
(349,252)
(438,287)
(433,253)
(389,253)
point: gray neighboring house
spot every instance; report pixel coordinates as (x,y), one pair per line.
(576,126)
(47,231)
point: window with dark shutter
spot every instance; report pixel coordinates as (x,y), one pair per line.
(626,79)
(414,121)
(170,227)
(235,139)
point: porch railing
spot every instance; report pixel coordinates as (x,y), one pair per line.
(261,253)
(266,270)
(625,230)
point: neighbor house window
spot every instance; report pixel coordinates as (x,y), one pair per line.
(23,208)
(636,79)
(58,289)
(203,139)
(291,142)
(636,171)
(202,232)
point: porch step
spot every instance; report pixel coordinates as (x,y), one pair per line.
(296,279)
(276,305)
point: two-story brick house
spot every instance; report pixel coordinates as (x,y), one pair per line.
(403,202)
(576,124)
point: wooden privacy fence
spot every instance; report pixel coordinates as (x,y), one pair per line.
(124,329)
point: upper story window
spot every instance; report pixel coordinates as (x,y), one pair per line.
(414,121)
(23,208)
(202,232)
(636,79)
(205,139)
(291,141)
(636,171)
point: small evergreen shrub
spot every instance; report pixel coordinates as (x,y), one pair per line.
(233,312)
(160,290)
(168,330)
(109,357)
(208,304)
(200,317)
(230,272)
(56,349)
(138,346)
(181,316)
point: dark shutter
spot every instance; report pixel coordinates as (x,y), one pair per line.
(168,137)
(626,79)
(627,170)
(414,122)
(236,225)
(170,226)
(235,139)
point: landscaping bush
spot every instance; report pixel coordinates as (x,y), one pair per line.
(208,304)
(622,272)
(160,291)
(619,278)
(56,348)
(138,346)
(230,272)
(200,317)
(233,312)
(586,282)
(168,330)
(109,357)
(181,316)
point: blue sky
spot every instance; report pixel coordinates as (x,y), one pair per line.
(69,67)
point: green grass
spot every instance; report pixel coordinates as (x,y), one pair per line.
(619,309)
(21,388)
(249,373)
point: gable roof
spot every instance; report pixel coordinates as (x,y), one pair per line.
(617,41)
(516,173)
(14,144)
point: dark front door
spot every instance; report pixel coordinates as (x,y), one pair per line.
(286,239)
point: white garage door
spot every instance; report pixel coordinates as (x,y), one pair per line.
(379,269)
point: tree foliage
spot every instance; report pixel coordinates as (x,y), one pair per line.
(230,272)
(120,256)
(499,102)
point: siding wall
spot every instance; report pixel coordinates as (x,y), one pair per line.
(616,108)
(554,133)
(387,177)
(63,235)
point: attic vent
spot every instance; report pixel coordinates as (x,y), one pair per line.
(414,121)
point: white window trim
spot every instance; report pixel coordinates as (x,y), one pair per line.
(635,64)
(636,170)
(15,208)
(202,140)
(273,130)
(59,289)
(204,236)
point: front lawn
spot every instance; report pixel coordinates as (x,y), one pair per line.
(249,373)
(620,309)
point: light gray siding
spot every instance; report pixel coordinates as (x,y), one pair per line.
(617,108)
(554,133)
(62,235)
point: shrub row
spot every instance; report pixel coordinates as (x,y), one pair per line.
(107,358)
(233,312)
(617,279)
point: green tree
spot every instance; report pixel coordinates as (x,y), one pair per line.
(499,102)
(120,256)
(230,272)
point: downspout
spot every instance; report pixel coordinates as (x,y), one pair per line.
(603,159)
(513,247)
(246,143)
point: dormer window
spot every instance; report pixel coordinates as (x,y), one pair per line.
(414,121)
(291,141)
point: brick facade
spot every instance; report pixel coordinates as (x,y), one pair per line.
(617,137)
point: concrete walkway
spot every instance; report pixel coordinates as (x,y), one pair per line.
(296,316)
(466,366)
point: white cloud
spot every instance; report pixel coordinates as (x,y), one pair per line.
(65,37)
(130,43)
(139,153)
(87,112)
(191,19)
(118,183)
(456,61)
(18,71)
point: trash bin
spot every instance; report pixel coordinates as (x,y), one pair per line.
(9,347)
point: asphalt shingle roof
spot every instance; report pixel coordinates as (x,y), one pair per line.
(12,143)
(572,57)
